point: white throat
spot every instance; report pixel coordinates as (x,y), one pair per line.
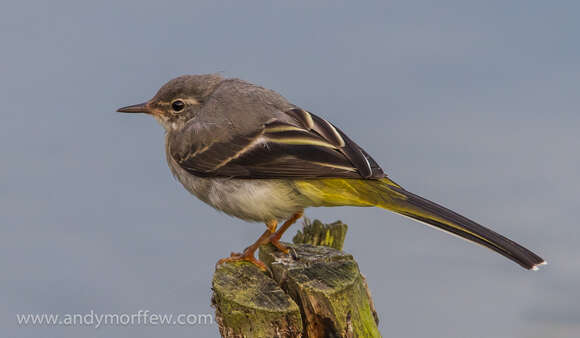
(169,125)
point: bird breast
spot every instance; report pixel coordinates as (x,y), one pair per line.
(255,200)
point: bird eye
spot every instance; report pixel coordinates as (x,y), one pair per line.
(178,105)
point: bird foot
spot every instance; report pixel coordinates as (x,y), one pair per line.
(247,256)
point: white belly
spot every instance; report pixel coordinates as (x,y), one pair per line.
(257,200)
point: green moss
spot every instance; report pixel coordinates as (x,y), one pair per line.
(316,233)
(328,286)
(251,304)
(318,291)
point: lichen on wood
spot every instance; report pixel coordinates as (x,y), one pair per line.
(248,303)
(317,291)
(318,233)
(328,287)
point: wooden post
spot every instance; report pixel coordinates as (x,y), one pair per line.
(317,291)
(317,233)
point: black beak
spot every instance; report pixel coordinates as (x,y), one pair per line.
(136,108)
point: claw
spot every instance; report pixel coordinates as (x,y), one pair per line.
(293,254)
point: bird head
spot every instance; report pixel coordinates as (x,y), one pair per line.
(178,100)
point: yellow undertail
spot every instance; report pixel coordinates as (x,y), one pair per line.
(386,194)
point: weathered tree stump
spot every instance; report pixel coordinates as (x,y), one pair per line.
(317,291)
(248,303)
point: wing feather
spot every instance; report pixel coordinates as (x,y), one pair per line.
(309,148)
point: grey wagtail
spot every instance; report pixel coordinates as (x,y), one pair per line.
(245,150)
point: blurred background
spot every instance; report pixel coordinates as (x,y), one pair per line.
(473,105)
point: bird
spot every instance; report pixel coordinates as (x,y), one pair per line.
(250,153)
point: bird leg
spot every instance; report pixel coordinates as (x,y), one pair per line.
(275,238)
(248,254)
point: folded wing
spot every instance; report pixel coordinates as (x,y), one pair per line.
(302,145)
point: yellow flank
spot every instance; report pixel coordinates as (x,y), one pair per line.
(331,192)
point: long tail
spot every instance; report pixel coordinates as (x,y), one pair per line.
(388,195)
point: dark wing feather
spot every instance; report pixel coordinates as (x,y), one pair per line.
(365,164)
(309,148)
